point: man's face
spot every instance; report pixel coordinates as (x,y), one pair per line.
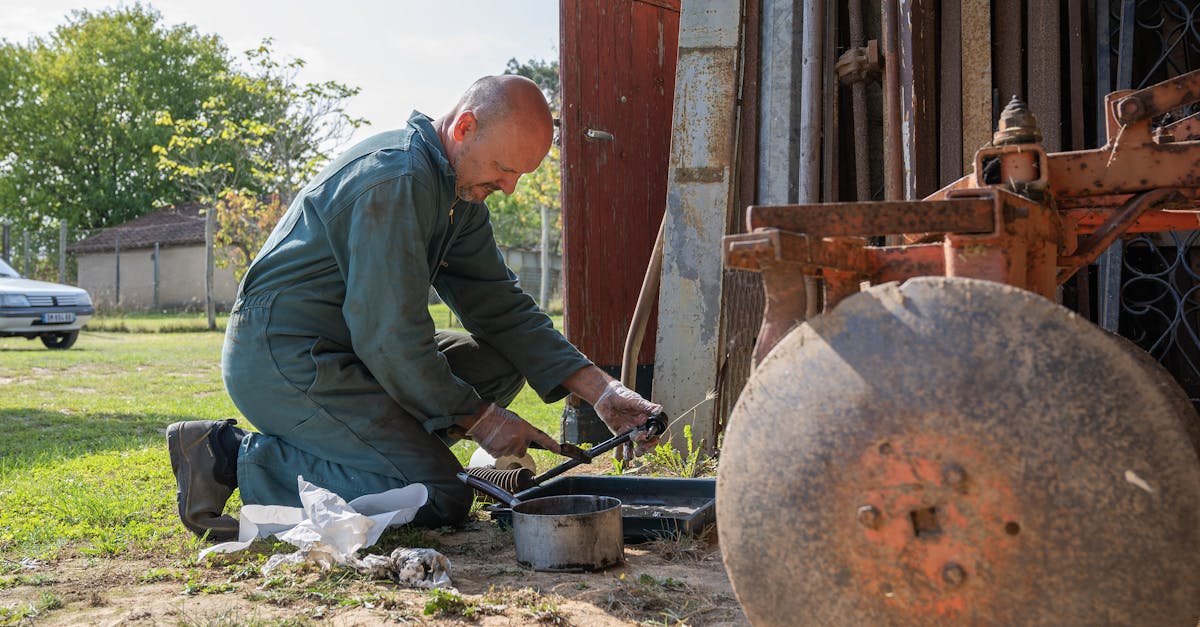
(494,161)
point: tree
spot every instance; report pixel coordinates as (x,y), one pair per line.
(77,113)
(517,218)
(308,120)
(264,137)
(261,138)
(531,217)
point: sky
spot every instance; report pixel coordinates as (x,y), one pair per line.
(403,54)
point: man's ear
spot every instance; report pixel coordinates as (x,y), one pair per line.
(464,124)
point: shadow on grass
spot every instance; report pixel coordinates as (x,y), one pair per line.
(32,434)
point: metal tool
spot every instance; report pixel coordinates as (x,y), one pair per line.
(654,426)
(567,449)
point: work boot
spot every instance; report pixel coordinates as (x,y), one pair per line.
(204,460)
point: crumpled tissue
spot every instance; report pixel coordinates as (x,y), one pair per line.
(417,568)
(328,530)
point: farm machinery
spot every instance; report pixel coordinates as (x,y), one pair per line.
(943,443)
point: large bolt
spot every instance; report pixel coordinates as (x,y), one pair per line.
(953,574)
(1128,109)
(869,517)
(1017,125)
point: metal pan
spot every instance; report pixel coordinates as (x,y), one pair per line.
(562,533)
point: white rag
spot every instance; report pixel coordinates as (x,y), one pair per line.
(326,528)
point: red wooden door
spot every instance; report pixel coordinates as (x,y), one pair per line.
(618,84)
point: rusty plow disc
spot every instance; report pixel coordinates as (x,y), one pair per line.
(957,451)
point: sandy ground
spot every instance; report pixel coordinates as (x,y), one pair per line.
(663,582)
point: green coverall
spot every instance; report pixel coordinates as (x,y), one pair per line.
(330,351)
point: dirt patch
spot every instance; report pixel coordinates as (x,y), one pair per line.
(664,582)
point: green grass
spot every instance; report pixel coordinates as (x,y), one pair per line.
(119,322)
(83,461)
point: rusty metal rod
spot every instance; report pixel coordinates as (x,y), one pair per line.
(959,215)
(893,146)
(1095,244)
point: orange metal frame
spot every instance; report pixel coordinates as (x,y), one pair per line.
(1023,217)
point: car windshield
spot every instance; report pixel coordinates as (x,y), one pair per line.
(6,271)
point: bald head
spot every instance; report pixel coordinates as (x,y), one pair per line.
(500,129)
(508,99)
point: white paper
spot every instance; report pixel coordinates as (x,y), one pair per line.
(326,528)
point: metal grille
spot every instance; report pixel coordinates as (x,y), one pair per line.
(1158,286)
(52,301)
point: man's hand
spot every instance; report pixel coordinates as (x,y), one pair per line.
(622,409)
(501,432)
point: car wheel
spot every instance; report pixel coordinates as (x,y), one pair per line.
(60,341)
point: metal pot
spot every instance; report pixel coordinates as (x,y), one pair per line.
(562,533)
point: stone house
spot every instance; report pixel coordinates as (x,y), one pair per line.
(153,262)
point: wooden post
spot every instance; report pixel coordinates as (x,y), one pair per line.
(210,306)
(117,269)
(155,276)
(62,252)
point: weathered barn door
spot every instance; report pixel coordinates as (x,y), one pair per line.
(618,82)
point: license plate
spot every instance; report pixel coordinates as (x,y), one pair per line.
(57,318)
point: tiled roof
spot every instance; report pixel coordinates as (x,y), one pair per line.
(180,225)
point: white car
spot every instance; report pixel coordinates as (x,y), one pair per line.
(49,311)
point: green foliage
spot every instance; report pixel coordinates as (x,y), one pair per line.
(694,464)
(517,218)
(447,603)
(23,614)
(115,114)
(252,146)
(77,111)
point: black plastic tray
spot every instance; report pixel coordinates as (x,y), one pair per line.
(651,506)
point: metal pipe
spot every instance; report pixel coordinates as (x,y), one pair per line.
(829,117)
(858,95)
(1112,262)
(812,52)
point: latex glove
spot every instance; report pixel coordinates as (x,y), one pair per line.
(622,409)
(501,432)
